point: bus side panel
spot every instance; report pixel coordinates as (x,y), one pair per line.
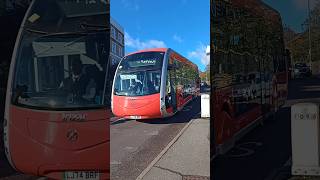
(186,75)
(282,86)
(236,100)
(224,126)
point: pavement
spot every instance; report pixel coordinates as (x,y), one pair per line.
(185,157)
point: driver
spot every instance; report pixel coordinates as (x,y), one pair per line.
(135,87)
(78,84)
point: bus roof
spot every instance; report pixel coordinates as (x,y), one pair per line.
(165,50)
(150,50)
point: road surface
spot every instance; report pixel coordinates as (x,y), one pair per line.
(134,144)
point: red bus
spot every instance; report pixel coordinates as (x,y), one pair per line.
(56,122)
(153,83)
(248,68)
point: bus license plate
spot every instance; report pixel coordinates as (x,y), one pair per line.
(135,117)
(81,175)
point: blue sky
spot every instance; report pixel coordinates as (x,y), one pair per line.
(293,12)
(183,25)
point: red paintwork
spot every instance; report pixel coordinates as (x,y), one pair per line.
(182,59)
(282,80)
(223,121)
(150,50)
(42,136)
(148,107)
(226,124)
(144,106)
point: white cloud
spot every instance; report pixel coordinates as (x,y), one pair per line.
(200,54)
(137,44)
(177,38)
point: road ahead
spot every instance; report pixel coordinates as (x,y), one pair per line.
(134,144)
(264,153)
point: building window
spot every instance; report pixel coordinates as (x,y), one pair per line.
(120,39)
(113,32)
(120,51)
(114,47)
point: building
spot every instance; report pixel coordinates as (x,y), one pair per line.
(116,52)
(116,42)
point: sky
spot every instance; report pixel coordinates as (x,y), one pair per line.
(183,25)
(293,12)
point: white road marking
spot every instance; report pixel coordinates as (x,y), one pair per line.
(131,149)
(153,133)
(115,163)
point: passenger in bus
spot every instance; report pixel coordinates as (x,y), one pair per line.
(151,87)
(157,85)
(79,85)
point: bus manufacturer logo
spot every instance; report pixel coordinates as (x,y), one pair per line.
(72,135)
(73,117)
(132,98)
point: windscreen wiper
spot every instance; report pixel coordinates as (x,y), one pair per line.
(36,31)
(48,34)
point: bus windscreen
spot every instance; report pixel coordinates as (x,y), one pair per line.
(139,74)
(55,72)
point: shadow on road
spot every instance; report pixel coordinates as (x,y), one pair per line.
(120,121)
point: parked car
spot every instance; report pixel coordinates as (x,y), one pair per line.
(301,70)
(204,88)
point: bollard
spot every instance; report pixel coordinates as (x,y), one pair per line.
(305,139)
(205,105)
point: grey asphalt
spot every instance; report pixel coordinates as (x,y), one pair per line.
(134,144)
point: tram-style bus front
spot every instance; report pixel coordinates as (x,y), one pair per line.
(56,121)
(137,84)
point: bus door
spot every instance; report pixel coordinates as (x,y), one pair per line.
(171,100)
